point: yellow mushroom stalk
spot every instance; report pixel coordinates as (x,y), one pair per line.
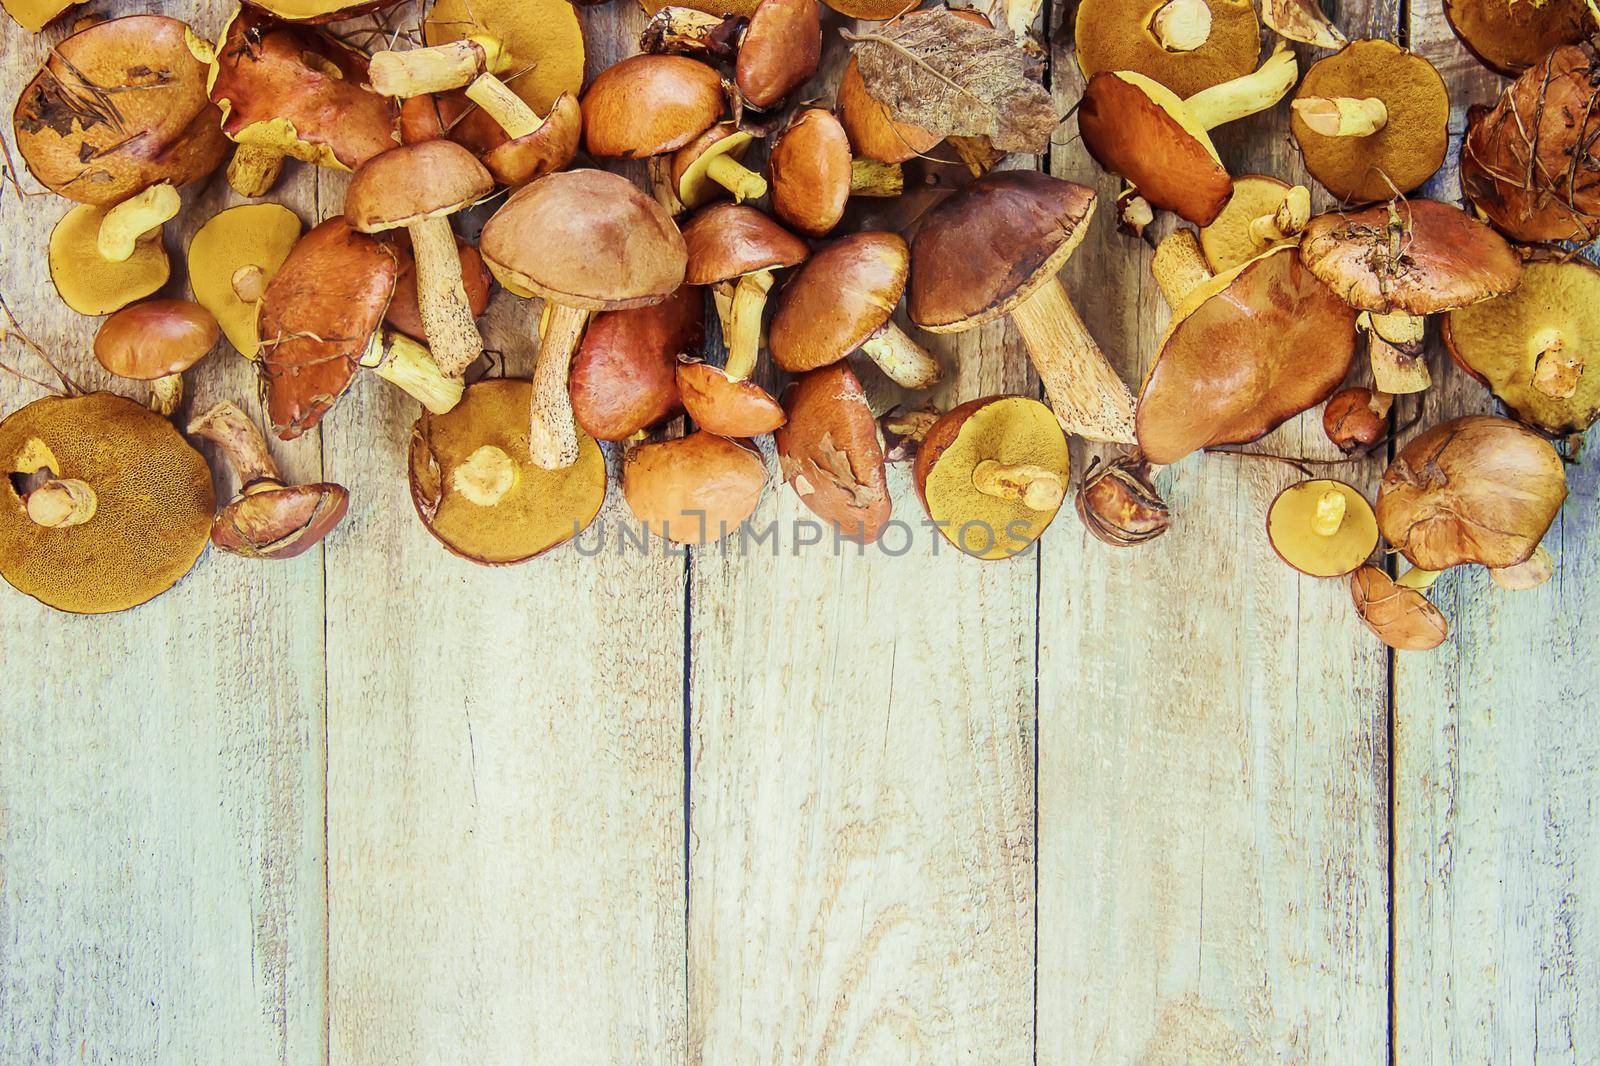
(1287,221)
(1242,97)
(1182,25)
(743,328)
(1179,266)
(136,219)
(254,169)
(1035,487)
(1329,513)
(408,365)
(61,503)
(552,431)
(503,105)
(1395,347)
(438,69)
(1342,116)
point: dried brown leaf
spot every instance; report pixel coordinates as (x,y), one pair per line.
(1303,21)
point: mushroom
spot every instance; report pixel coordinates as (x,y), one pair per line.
(1263,213)
(624,377)
(1118,502)
(813,174)
(1477,489)
(831,454)
(232,259)
(777,48)
(156,341)
(1178,266)
(87,281)
(418,186)
(1399,262)
(1356,418)
(479,492)
(266,519)
(1141,130)
(842,300)
(1372,121)
(33,15)
(404,314)
(584,240)
(121,512)
(1399,616)
(710,163)
(1537,348)
(695,489)
(1510,36)
(1244,352)
(648,105)
(994,249)
(320,11)
(534,146)
(992,474)
(1322,528)
(1186,45)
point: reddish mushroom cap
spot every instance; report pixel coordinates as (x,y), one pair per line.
(413,182)
(810,172)
(781,49)
(650,104)
(156,338)
(693,490)
(831,454)
(624,375)
(724,406)
(280,523)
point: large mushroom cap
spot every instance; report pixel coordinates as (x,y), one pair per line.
(1120,35)
(840,298)
(693,490)
(153,503)
(405,314)
(1553,314)
(280,522)
(525,510)
(991,245)
(649,104)
(253,239)
(1510,36)
(540,42)
(624,374)
(1245,351)
(413,182)
(1419,257)
(810,171)
(87,281)
(586,238)
(1401,617)
(727,241)
(117,108)
(831,454)
(316,320)
(781,49)
(320,11)
(156,338)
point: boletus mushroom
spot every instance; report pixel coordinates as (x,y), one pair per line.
(992,474)
(695,489)
(120,511)
(1400,616)
(710,164)
(813,174)
(1477,489)
(648,105)
(1262,213)
(1186,45)
(1118,502)
(92,284)
(1322,528)
(33,15)
(993,249)
(624,377)
(232,259)
(266,519)
(320,11)
(1509,36)
(1356,417)
(405,315)
(156,341)
(774,51)
(831,453)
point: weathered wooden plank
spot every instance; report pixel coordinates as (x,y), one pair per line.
(161,845)
(1212,737)
(505,771)
(1497,767)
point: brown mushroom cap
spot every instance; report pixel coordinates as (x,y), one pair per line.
(1245,351)
(118,107)
(156,338)
(721,405)
(414,182)
(1419,257)
(405,315)
(586,238)
(316,319)
(810,172)
(991,245)
(1510,37)
(1139,129)
(1228,242)
(540,509)
(780,51)
(624,375)
(727,241)
(544,151)
(250,235)
(872,132)
(1292,533)
(693,490)
(1500,342)
(1116,35)
(1401,617)
(1411,145)
(153,503)
(838,300)
(831,454)
(280,522)
(649,104)
(539,41)
(87,281)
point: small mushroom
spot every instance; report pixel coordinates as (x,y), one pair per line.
(624,377)
(831,453)
(1399,616)
(404,314)
(266,519)
(156,341)
(649,105)
(842,300)
(1263,213)
(1322,528)
(584,240)
(1509,36)
(709,164)
(1186,45)
(125,507)
(1141,130)
(693,490)
(418,186)
(992,474)
(87,281)
(1118,503)
(777,48)
(232,259)
(534,146)
(1356,418)
(994,249)
(813,174)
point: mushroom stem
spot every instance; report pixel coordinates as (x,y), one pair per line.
(249,282)
(906,362)
(1088,397)
(253,170)
(1418,578)
(486,476)
(1329,513)
(442,296)
(436,69)
(1179,266)
(1287,221)
(1038,489)
(744,323)
(1342,116)
(1556,370)
(1532,572)
(240,442)
(722,294)
(166,393)
(1182,25)
(979,155)
(552,433)
(1235,99)
(130,221)
(868,177)
(61,502)
(503,105)
(744,183)
(1395,348)
(403,362)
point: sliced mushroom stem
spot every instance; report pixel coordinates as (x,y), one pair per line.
(166,394)
(979,155)
(1528,574)
(253,170)
(1395,348)
(1329,513)
(1244,96)
(1182,25)
(744,323)
(61,502)
(503,105)
(135,218)
(1179,266)
(435,70)
(485,478)
(1556,369)
(744,183)
(249,282)
(868,177)
(1342,116)
(1287,221)
(241,443)
(442,296)
(403,362)
(682,30)
(1088,397)
(1037,488)
(552,433)
(906,362)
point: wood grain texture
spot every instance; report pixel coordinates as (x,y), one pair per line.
(1497,766)
(1212,737)
(161,804)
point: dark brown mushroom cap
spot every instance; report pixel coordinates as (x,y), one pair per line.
(1116,35)
(649,104)
(1135,128)
(991,245)
(404,313)
(414,182)
(1414,256)
(156,338)
(780,51)
(1245,352)
(809,168)
(693,490)
(624,374)
(727,241)
(721,405)
(317,316)
(586,238)
(118,107)
(281,522)
(544,151)
(1511,37)
(838,300)
(831,455)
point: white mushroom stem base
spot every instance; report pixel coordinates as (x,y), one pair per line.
(1287,221)
(906,362)
(166,394)
(1179,266)
(1038,489)
(126,224)
(552,432)
(442,296)
(486,477)
(1088,397)
(403,362)
(437,69)
(1182,25)
(241,443)
(1245,96)
(61,503)
(1395,348)
(1557,369)
(504,106)
(744,323)
(253,170)
(868,177)
(1342,116)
